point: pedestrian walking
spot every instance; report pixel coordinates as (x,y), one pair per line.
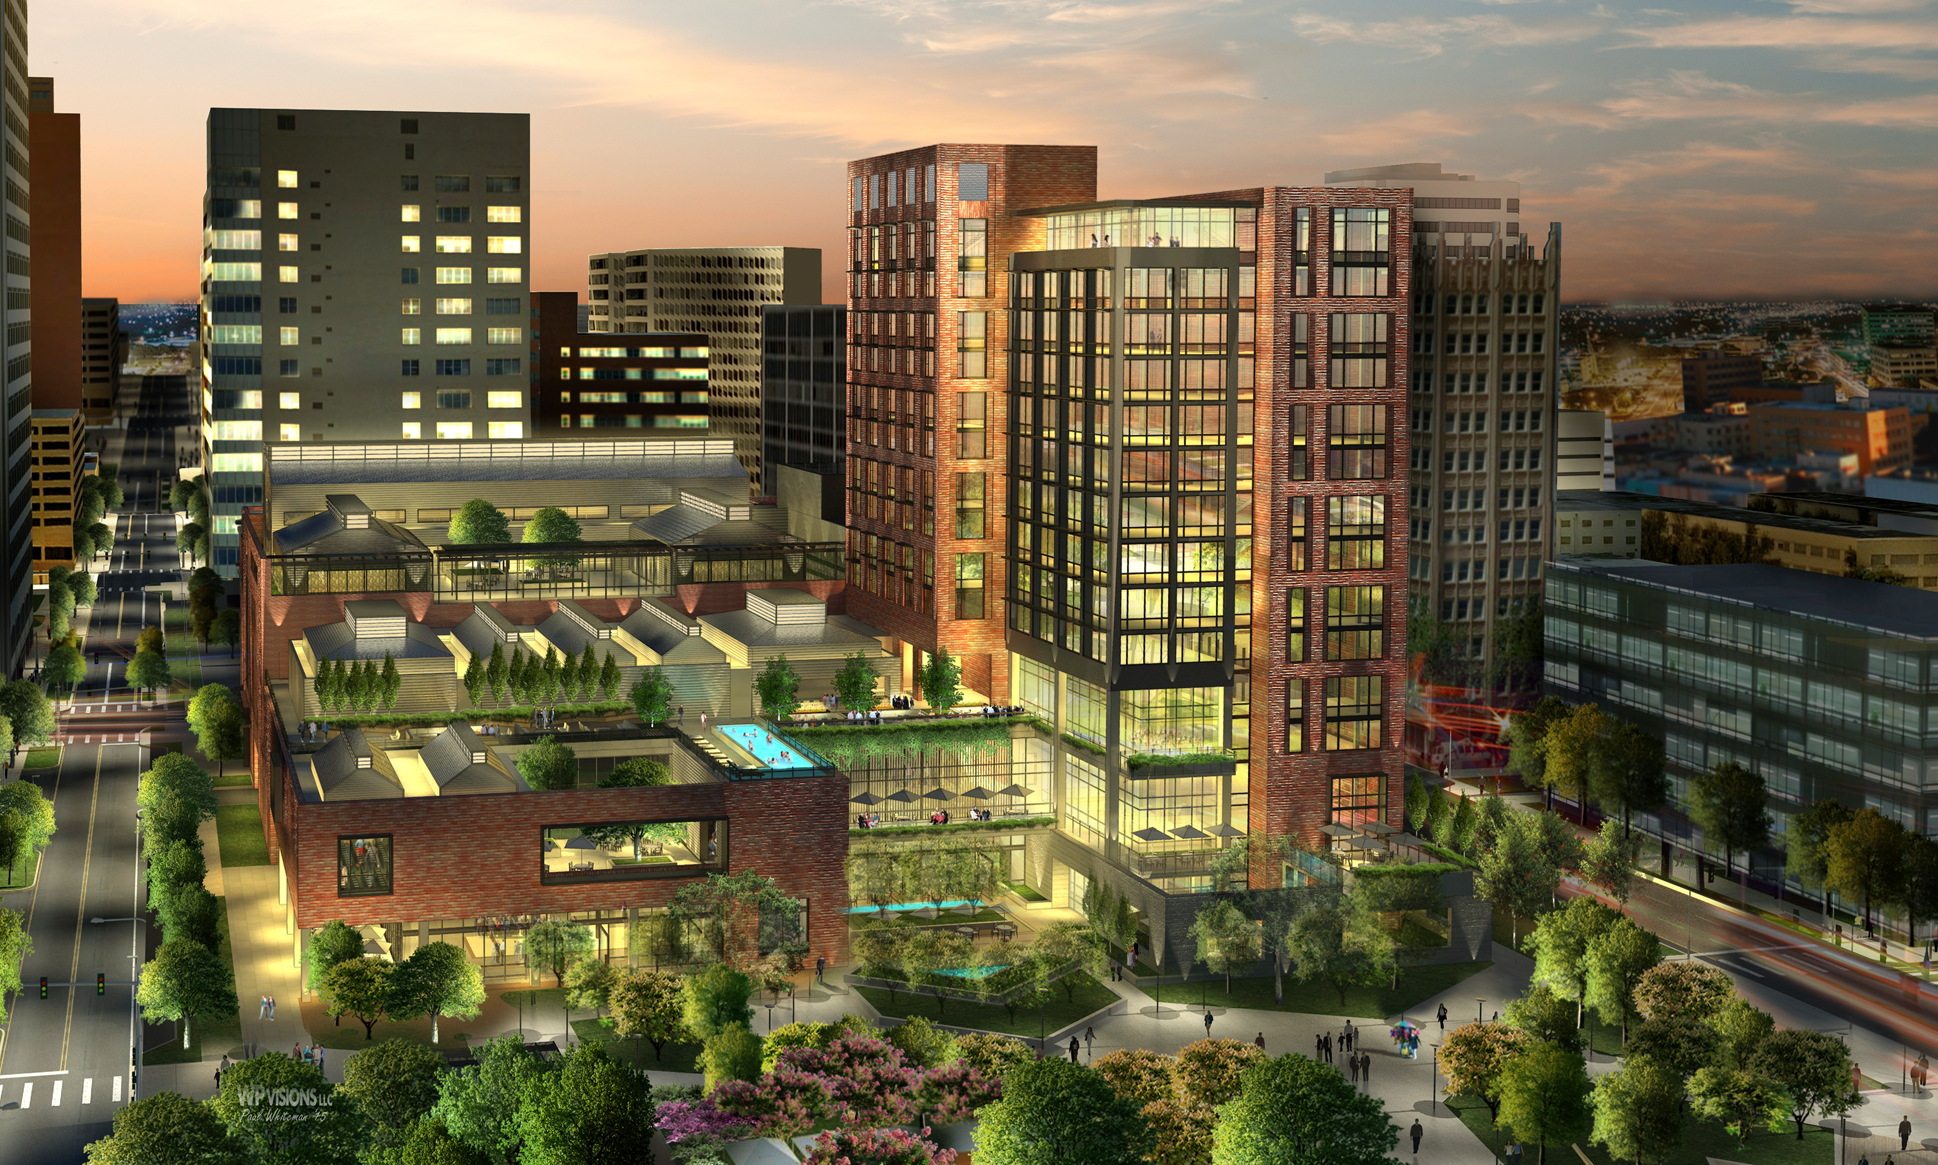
(272,1007)
(821,968)
(296,1052)
(1366,1068)
(262,1007)
(1089,1036)
(319,1058)
(1417,1133)
(1327,1045)
(1073,1049)
(1443,1023)
(1904,1135)
(1207,1023)
(1352,1069)
(1260,1041)
(1319,1048)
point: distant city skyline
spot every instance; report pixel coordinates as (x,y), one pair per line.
(1693,154)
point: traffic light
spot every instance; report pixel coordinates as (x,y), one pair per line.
(43,986)
(100,984)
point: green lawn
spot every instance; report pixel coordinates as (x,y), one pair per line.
(1088,996)
(1417,984)
(210,1036)
(1702,1141)
(45,757)
(236,775)
(21,873)
(238,833)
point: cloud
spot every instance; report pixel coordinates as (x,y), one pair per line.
(1399,133)
(1419,39)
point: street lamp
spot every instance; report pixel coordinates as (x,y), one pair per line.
(1435,1094)
(1480,1009)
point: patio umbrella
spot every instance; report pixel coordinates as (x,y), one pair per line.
(1189,833)
(582,842)
(866,799)
(928,912)
(373,947)
(1377,828)
(979,793)
(1223,830)
(902,795)
(1015,791)
(969,908)
(939,794)
(1148,834)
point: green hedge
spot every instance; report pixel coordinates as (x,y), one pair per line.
(851,747)
(1418,870)
(1005,823)
(429,719)
(1144,760)
(1442,852)
(1082,745)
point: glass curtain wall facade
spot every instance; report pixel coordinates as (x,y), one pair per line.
(16,436)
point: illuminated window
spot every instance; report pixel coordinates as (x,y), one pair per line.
(286,210)
(235,240)
(504,335)
(1354,716)
(972,330)
(287,275)
(413,400)
(413,335)
(1295,715)
(1357,799)
(454,335)
(969,580)
(291,432)
(454,307)
(454,274)
(238,333)
(289,335)
(236,272)
(1355,622)
(413,306)
(1356,442)
(506,430)
(289,400)
(505,275)
(1356,532)
(412,244)
(454,430)
(412,214)
(287,243)
(286,179)
(973,260)
(454,244)
(505,245)
(504,400)
(504,214)
(413,431)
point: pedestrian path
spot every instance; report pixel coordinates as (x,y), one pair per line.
(52,1089)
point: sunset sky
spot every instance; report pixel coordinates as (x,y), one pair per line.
(1755,149)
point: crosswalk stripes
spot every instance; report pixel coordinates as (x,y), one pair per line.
(57,1093)
(87,1091)
(27,1095)
(117,1090)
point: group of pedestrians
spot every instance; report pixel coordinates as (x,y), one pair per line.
(267,1010)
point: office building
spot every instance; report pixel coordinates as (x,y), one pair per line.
(592,385)
(1071,422)
(1903,367)
(104,350)
(364,278)
(717,292)
(1486,313)
(1881,437)
(1819,684)
(59,462)
(1712,377)
(803,389)
(16,382)
(1900,325)
(1584,450)
(55,151)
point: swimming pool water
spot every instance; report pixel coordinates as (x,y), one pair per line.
(972,972)
(773,754)
(913,906)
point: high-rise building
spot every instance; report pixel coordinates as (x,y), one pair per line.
(1713,377)
(803,389)
(60,453)
(1486,309)
(1071,424)
(104,349)
(364,278)
(592,385)
(56,152)
(1903,325)
(16,383)
(715,291)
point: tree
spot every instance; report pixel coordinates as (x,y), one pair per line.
(389,682)
(1061,944)
(1683,990)
(1626,773)
(588,672)
(569,676)
(1521,872)
(776,687)
(1569,748)
(201,618)
(1617,959)
(15,945)
(730,1054)
(608,678)
(478,522)
(551,525)
(991,1054)
(188,541)
(1866,859)
(921,1043)
(224,739)
(1682,1044)
(1546,1016)
(715,1000)
(60,612)
(1741,1101)
(649,1005)
(100,538)
(166,1127)
(515,680)
(1211,1072)
(180,493)
(27,710)
(85,593)
(549,765)
(1418,804)
(1807,844)
(286,1113)
(394,1085)
(175,863)
(931,953)
(361,989)
(333,943)
(1919,889)
(854,684)
(1227,939)
(480,1105)
(551,945)
(1474,1055)
(149,671)
(1638,1112)
(739,913)
(588,1110)
(1465,825)
(1293,1111)
(1609,860)
(1741,1031)
(941,678)
(1054,1112)
(427,1142)
(1523,738)
(184,980)
(437,980)
(474,681)
(1814,1068)
(188,912)
(205,700)
(175,796)
(1731,805)
(588,985)
(652,695)
(1544,1096)
(494,673)
(1342,946)
(64,668)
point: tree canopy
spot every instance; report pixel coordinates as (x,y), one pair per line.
(480,522)
(1294,1111)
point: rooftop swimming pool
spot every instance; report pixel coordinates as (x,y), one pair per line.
(769,749)
(912,906)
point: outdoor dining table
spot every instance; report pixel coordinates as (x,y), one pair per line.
(1004,929)
(968,932)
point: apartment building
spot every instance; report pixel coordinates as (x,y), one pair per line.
(803,389)
(16,382)
(1486,311)
(590,385)
(1071,423)
(1904,325)
(1820,684)
(1903,367)
(717,292)
(56,233)
(1713,377)
(59,460)
(1880,437)
(104,350)
(364,278)
(1584,450)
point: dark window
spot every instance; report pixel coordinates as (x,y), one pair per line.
(503,184)
(285,121)
(454,183)
(238,365)
(362,866)
(501,367)
(410,275)
(288,368)
(455,368)
(501,307)
(286,304)
(410,368)
(244,304)
(454,214)
(407,125)
(410,182)
(1356,445)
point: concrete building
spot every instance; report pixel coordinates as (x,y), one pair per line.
(803,390)
(1822,685)
(1712,377)
(1896,367)
(1911,484)
(104,350)
(717,292)
(16,382)
(59,463)
(589,385)
(1723,427)
(1881,437)
(1910,325)
(56,170)
(364,278)
(1584,450)
(1486,311)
